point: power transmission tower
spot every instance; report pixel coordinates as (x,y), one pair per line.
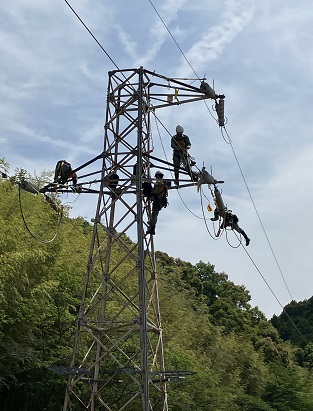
(118,359)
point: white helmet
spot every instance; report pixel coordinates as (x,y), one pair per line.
(179,129)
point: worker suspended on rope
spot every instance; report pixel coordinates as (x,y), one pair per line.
(159,200)
(229,219)
(63,172)
(180,144)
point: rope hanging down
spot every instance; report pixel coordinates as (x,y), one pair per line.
(26,225)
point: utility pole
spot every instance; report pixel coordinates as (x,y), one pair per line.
(118,360)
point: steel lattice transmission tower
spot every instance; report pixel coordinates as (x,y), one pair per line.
(118,361)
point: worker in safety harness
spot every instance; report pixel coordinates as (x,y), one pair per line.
(63,172)
(229,219)
(159,195)
(180,144)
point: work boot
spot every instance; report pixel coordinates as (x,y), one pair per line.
(247,241)
(151,230)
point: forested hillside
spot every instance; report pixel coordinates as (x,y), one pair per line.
(241,361)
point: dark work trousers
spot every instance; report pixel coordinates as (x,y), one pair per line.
(235,226)
(157,206)
(178,159)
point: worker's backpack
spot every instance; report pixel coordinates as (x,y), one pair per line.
(63,168)
(146,189)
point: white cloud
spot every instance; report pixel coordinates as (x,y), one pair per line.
(237,14)
(52,105)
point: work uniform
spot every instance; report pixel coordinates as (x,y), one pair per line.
(159,193)
(64,172)
(180,143)
(230,220)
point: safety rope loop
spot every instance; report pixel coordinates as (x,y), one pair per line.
(239,238)
(205,221)
(26,225)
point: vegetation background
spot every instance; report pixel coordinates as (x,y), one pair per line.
(243,361)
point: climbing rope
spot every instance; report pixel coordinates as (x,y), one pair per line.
(27,227)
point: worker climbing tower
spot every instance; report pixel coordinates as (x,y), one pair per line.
(118,359)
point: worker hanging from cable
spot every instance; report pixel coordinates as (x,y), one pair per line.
(159,195)
(180,144)
(229,219)
(63,172)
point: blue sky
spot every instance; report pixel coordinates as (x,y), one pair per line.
(52,106)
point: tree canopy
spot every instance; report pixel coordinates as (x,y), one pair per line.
(243,362)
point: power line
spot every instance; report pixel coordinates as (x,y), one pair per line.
(276,298)
(180,49)
(173,38)
(164,152)
(183,54)
(256,210)
(229,142)
(27,227)
(92,35)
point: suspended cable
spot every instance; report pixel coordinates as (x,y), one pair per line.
(173,39)
(180,49)
(240,243)
(230,245)
(28,229)
(92,35)
(257,213)
(228,142)
(276,298)
(164,152)
(204,219)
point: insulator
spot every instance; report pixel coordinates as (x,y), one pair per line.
(219,107)
(208,90)
(206,177)
(219,201)
(30,187)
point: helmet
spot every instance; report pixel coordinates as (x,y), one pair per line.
(158,174)
(179,129)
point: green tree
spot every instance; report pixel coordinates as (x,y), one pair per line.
(286,387)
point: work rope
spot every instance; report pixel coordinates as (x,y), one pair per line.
(204,219)
(256,210)
(228,141)
(27,227)
(165,155)
(240,239)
